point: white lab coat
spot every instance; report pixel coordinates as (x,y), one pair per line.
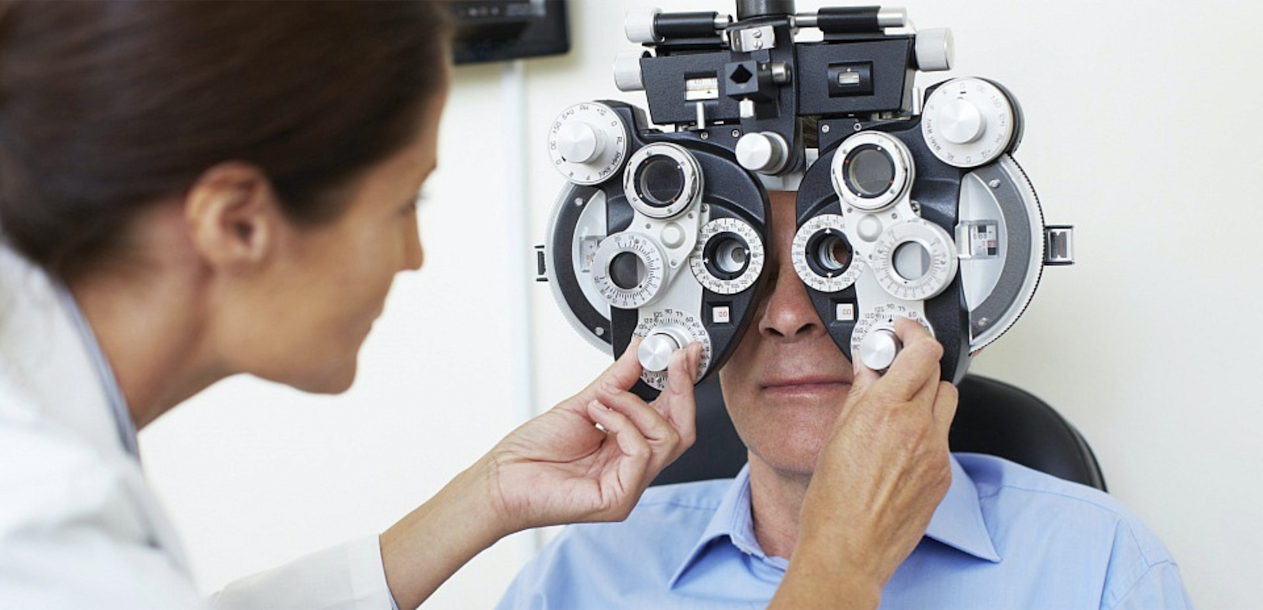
(79,527)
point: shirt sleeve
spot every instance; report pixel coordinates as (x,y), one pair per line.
(1159,587)
(346,577)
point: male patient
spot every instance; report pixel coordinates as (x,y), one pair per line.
(1004,536)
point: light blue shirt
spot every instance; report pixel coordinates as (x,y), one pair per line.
(1004,536)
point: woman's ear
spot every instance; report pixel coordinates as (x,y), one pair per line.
(232,216)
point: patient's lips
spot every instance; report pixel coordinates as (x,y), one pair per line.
(805,383)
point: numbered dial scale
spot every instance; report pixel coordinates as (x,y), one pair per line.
(960,249)
(970,122)
(656,235)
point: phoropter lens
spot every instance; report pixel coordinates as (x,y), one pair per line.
(660,181)
(911,261)
(828,253)
(627,270)
(833,253)
(727,256)
(869,171)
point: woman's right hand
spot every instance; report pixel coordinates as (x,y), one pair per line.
(881,475)
(590,457)
(559,467)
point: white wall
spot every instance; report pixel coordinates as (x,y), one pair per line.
(1140,131)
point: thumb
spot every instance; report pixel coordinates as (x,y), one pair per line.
(861,376)
(622,375)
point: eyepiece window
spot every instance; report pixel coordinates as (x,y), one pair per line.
(627,270)
(834,253)
(869,171)
(872,170)
(727,256)
(828,253)
(912,261)
(659,181)
(662,180)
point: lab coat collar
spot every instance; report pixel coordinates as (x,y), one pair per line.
(44,358)
(48,379)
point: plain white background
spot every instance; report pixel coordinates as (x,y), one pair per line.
(1142,131)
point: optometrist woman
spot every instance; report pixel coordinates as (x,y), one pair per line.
(190,191)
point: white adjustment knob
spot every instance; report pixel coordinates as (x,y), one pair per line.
(763,152)
(656,349)
(935,49)
(969,122)
(879,348)
(639,25)
(578,142)
(587,143)
(627,74)
(960,122)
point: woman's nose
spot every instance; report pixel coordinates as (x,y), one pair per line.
(414,252)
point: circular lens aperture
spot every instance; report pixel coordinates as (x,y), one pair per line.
(823,257)
(912,260)
(662,180)
(872,170)
(659,181)
(869,171)
(828,253)
(833,253)
(627,270)
(727,256)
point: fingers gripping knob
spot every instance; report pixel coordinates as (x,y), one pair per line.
(656,349)
(879,348)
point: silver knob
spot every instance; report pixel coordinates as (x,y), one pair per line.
(656,349)
(627,74)
(935,50)
(879,348)
(961,122)
(578,142)
(639,25)
(764,152)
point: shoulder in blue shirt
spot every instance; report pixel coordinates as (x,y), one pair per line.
(1004,537)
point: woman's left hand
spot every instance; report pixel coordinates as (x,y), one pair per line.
(560,467)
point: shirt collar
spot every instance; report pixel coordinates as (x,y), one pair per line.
(732,520)
(957,522)
(109,383)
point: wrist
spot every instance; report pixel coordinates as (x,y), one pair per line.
(481,485)
(430,543)
(823,576)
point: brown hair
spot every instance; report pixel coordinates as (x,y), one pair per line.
(108,107)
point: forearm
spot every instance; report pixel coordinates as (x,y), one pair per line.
(431,543)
